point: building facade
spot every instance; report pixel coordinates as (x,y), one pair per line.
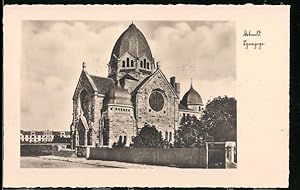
(46,136)
(111,110)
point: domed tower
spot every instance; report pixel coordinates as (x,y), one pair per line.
(131,56)
(192,100)
(119,124)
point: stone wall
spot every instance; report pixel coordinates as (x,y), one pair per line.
(179,157)
(165,120)
(122,123)
(93,115)
(41,149)
(81,151)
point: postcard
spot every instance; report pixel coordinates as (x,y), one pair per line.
(146,96)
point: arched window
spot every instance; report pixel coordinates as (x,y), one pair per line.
(127,60)
(125,140)
(132,63)
(166,135)
(120,140)
(141,63)
(147,65)
(144,63)
(170,136)
(123,63)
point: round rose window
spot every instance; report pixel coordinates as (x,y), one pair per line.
(156,101)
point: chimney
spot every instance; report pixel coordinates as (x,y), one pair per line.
(172,81)
(177,89)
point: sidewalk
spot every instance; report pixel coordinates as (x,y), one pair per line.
(112,164)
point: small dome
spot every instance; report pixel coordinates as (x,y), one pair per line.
(192,97)
(119,95)
(132,41)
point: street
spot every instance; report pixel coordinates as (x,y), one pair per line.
(75,162)
(39,162)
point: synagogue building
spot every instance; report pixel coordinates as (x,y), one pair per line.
(111,110)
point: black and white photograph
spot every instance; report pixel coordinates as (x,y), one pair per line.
(130,94)
(135,96)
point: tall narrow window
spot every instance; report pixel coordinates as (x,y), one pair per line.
(127,60)
(144,63)
(120,140)
(132,63)
(147,65)
(125,140)
(123,63)
(170,136)
(166,135)
(141,64)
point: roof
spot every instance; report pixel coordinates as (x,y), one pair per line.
(133,41)
(39,132)
(128,76)
(140,85)
(119,95)
(67,133)
(183,107)
(25,132)
(148,78)
(191,97)
(104,85)
(56,132)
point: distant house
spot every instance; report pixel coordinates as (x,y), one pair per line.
(41,136)
(62,134)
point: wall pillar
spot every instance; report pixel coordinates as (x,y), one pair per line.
(85,137)
(231,154)
(76,137)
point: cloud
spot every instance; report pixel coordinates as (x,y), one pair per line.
(205,52)
(53,52)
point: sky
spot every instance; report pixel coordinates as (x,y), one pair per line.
(53,52)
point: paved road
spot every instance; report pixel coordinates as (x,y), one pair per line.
(38,162)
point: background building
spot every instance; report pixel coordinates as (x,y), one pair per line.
(41,136)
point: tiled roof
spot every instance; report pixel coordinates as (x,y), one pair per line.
(128,76)
(183,107)
(39,132)
(25,132)
(104,85)
(133,41)
(192,97)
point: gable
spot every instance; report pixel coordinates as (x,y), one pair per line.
(83,83)
(156,76)
(126,55)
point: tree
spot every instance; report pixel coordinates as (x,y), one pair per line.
(148,137)
(219,117)
(191,134)
(58,139)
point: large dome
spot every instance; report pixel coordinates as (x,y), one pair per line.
(132,41)
(192,97)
